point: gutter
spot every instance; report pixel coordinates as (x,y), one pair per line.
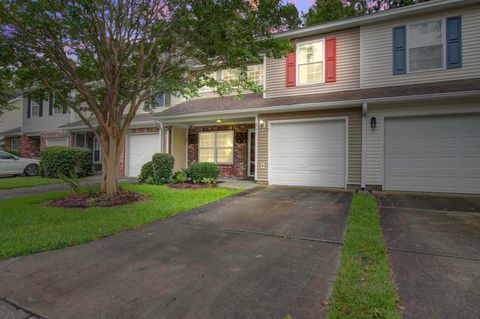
(318,106)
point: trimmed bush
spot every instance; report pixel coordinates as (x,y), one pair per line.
(159,170)
(179,177)
(206,173)
(63,160)
(146,174)
(16,153)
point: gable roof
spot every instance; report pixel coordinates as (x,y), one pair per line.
(376,17)
(256,102)
(14,131)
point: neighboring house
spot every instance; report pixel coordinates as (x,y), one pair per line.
(389,100)
(10,125)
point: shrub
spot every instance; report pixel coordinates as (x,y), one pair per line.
(61,160)
(179,177)
(158,170)
(206,173)
(146,174)
(16,153)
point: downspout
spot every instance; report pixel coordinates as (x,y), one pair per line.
(364,145)
(160,133)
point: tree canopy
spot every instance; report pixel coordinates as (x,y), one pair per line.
(329,10)
(109,57)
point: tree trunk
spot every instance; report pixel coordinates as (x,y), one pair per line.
(112,145)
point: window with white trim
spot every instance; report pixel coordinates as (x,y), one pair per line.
(425,46)
(35,108)
(255,73)
(310,57)
(14,144)
(230,75)
(216,147)
(204,89)
(159,101)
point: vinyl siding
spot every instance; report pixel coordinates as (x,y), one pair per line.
(376,47)
(375,137)
(354,139)
(12,119)
(348,68)
(179,147)
(45,123)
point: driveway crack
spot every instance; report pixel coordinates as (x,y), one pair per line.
(432,254)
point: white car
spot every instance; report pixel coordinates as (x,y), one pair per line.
(13,165)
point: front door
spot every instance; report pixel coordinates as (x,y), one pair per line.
(251,153)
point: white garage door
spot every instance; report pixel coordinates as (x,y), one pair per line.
(56,142)
(433,154)
(141,148)
(310,153)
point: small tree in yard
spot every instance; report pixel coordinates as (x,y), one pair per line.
(109,57)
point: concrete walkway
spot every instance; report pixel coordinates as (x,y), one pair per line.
(268,253)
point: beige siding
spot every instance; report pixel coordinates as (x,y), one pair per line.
(348,68)
(354,139)
(375,137)
(376,48)
(179,147)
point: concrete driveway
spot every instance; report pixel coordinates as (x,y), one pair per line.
(434,248)
(265,254)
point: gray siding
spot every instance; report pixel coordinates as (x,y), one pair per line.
(348,68)
(45,123)
(376,48)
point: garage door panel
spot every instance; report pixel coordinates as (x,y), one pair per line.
(435,154)
(141,149)
(308,153)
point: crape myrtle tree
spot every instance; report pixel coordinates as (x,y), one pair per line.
(107,58)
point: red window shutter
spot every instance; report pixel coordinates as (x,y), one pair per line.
(331,60)
(291,69)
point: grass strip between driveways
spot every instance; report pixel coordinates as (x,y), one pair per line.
(24,181)
(26,226)
(363,287)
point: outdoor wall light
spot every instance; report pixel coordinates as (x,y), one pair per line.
(262,123)
(218,121)
(373,122)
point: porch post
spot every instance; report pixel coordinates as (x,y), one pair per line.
(256,145)
(161,137)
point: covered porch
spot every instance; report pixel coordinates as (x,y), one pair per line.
(228,142)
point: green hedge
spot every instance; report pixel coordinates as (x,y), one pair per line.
(159,170)
(62,159)
(206,173)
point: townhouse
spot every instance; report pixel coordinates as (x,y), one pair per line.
(388,101)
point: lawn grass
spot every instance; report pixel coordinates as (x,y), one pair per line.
(24,181)
(363,287)
(27,227)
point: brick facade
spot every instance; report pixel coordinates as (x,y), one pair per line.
(121,163)
(30,146)
(47,135)
(240,149)
(8,143)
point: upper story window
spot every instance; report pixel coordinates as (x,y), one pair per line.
(159,101)
(212,75)
(35,108)
(425,43)
(254,73)
(310,57)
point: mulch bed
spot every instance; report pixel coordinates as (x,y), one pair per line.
(189,185)
(97,200)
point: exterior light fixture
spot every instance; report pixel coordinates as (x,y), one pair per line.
(262,123)
(218,121)
(373,122)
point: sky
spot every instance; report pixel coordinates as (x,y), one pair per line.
(303,5)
